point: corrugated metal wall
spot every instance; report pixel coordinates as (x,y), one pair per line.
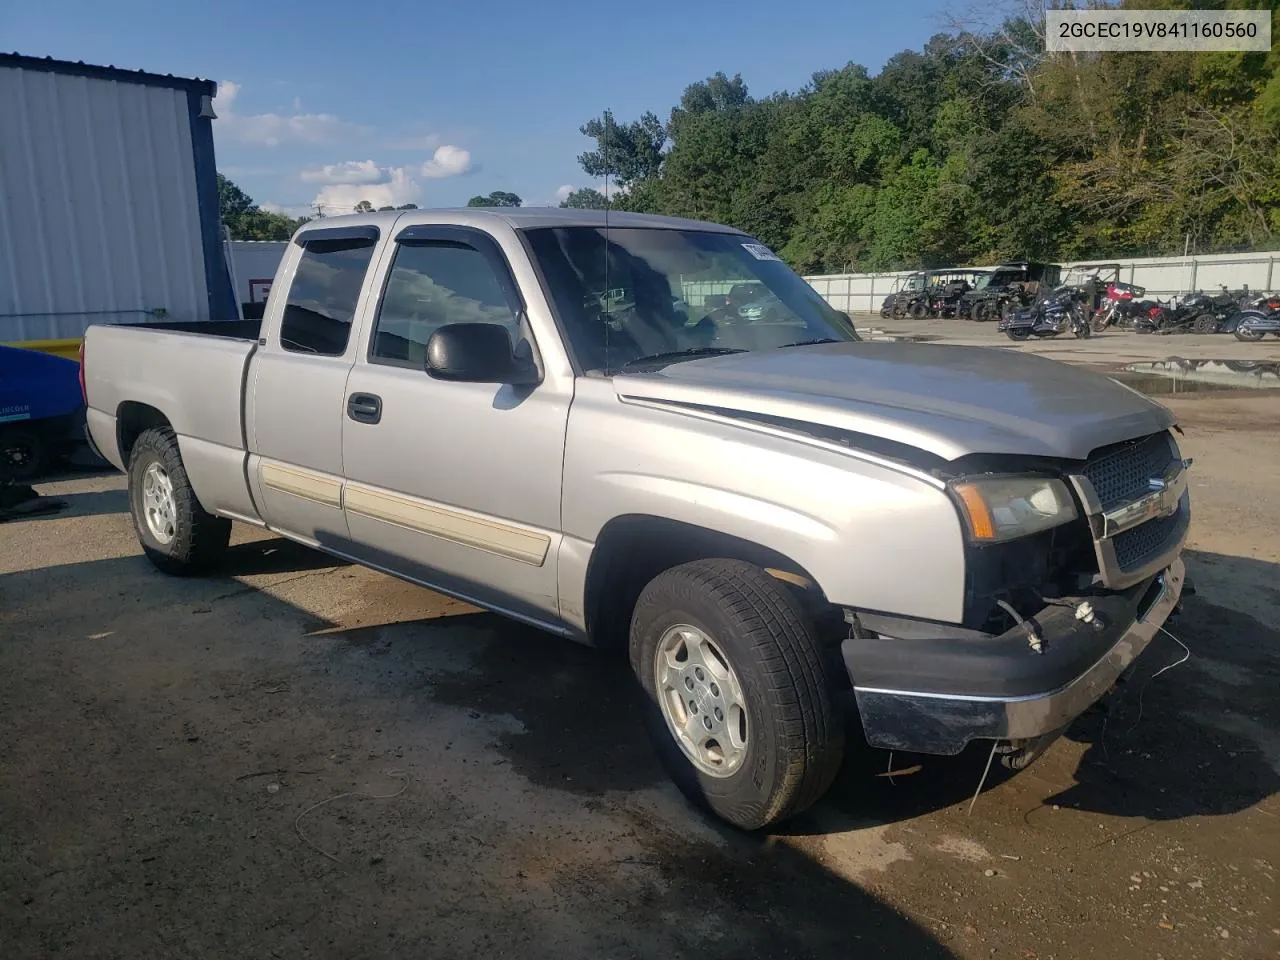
(98,209)
(1164,277)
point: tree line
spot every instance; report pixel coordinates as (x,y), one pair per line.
(979,147)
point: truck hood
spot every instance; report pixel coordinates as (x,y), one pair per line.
(950,401)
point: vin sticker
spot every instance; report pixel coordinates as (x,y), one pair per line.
(760,251)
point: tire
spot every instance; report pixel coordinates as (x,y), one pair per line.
(1205,323)
(197,538)
(919,310)
(794,740)
(24,454)
(1019,333)
(982,312)
(1248,335)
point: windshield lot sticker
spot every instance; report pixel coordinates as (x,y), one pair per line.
(760,251)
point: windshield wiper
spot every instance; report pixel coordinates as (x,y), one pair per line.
(671,356)
(809,343)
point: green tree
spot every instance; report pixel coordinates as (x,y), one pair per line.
(978,146)
(246,220)
(499,198)
(364,206)
(585,198)
(626,152)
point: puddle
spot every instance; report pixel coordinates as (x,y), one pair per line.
(1175,376)
(882,335)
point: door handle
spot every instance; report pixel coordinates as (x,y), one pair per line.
(364,407)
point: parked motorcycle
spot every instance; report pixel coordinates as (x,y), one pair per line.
(1256,317)
(1062,310)
(1197,312)
(1120,304)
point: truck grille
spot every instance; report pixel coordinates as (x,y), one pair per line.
(1151,539)
(1124,474)
(1149,470)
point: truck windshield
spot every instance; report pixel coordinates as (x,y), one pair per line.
(668,294)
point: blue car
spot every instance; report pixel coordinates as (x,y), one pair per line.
(41,411)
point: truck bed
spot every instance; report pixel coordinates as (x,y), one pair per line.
(193,372)
(229,329)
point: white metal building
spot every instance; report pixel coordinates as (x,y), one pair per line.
(253,267)
(108,199)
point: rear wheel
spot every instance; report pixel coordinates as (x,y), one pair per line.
(1248,334)
(1205,323)
(741,706)
(176,533)
(24,454)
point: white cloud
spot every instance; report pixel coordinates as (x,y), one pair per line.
(273,129)
(349,171)
(399,187)
(345,184)
(289,209)
(447,161)
(562,193)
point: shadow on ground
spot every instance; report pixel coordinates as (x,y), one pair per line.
(130,827)
(264,683)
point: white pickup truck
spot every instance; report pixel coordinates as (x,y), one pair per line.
(650,435)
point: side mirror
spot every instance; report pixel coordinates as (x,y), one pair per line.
(477,353)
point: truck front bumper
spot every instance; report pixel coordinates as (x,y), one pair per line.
(935,696)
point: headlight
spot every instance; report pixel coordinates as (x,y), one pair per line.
(1004,508)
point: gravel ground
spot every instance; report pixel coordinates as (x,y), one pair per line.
(301,758)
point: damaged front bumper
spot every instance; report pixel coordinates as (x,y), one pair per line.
(936,695)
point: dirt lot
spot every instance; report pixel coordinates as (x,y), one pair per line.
(298,758)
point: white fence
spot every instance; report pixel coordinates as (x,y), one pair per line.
(1163,277)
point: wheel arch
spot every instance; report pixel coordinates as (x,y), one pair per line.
(633,548)
(134,418)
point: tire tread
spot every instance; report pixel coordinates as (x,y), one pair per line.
(790,660)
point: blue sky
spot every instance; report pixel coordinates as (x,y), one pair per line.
(433,102)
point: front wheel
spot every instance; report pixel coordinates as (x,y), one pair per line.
(741,706)
(919,310)
(1018,333)
(176,533)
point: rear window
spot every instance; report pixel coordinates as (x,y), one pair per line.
(323,296)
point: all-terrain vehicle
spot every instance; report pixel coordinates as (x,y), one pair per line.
(906,291)
(946,288)
(1008,287)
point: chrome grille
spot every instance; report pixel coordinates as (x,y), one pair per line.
(1125,474)
(1150,539)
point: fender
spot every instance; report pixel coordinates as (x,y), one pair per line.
(869,532)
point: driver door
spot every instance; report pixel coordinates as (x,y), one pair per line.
(454,484)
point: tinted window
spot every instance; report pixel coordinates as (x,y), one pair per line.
(432,284)
(323,295)
(631,292)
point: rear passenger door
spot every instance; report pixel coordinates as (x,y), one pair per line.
(295,399)
(454,484)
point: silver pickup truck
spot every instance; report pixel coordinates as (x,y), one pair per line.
(650,435)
